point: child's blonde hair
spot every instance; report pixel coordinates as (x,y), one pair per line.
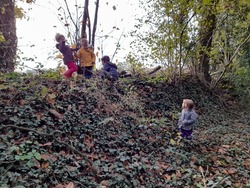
(59,37)
(188,103)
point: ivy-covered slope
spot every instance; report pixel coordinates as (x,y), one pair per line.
(93,134)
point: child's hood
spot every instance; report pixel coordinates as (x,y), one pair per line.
(112,64)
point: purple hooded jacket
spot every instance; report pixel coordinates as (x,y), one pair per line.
(66,51)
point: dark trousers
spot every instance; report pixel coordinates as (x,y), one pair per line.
(108,75)
(88,71)
(187,134)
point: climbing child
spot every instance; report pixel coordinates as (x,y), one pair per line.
(187,119)
(68,58)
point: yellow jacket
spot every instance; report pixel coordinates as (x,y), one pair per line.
(86,56)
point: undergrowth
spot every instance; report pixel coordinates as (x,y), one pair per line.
(94,133)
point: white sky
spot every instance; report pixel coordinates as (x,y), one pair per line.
(39,31)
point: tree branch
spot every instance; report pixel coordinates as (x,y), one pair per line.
(230,61)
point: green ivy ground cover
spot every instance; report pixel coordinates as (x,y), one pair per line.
(93,134)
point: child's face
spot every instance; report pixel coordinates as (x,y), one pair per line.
(184,104)
(84,44)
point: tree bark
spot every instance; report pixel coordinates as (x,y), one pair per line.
(85,19)
(95,23)
(207,28)
(8,44)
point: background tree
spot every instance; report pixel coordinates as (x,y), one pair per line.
(206,37)
(8,38)
(81,21)
(207,25)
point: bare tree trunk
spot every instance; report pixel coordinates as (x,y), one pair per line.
(85,19)
(86,22)
(95,23)
(8,38)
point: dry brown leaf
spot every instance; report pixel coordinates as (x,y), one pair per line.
(53,158)
(201,169)
(45,165)
(225,171)
(194,159)
(237,185)
(222,151)
(166,176)
(39,115)
(70,185)
(55,113)
(45,156)
(232,171)
(46,144)
(22,102)
(247,163)
(104,183)
(178,174)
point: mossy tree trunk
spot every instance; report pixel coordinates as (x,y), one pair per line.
(8,41)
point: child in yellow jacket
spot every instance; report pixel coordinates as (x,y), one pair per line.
(87,58)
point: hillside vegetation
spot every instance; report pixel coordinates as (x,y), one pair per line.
(91,133)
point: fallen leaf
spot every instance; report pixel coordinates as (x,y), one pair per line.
(48,156)
(166,176)
(232,171)
(201,169)
(104,183)
(39,115)
(46,144)
(22,102)
(222,151)
(45,165)
(55,113)
(70,185)
(247,163)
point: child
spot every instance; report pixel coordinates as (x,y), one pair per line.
(87,58)
(109,70)
(187,119)
(68,58)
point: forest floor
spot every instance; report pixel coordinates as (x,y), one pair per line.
(93,133)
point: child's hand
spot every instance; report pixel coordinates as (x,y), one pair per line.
(59,56)
(184,122)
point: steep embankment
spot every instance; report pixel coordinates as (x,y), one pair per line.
(57,133)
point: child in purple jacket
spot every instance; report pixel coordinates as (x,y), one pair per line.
(68,57)
(187,119)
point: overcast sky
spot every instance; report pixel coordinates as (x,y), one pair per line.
(36,34)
